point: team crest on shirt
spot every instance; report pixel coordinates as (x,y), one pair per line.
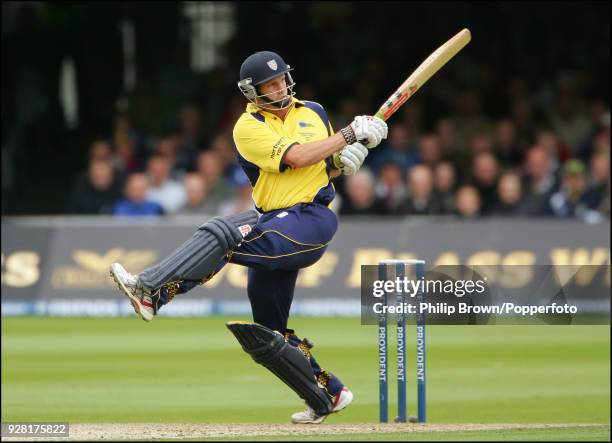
(272,64)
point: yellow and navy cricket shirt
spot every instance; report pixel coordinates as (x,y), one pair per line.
(262,139)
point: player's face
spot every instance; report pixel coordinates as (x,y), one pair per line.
(275,89)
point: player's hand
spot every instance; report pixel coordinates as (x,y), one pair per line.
(366,129)
(350,159)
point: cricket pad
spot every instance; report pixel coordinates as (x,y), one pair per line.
(198,257)
(269,349)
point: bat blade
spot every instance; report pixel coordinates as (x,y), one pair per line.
(429,67)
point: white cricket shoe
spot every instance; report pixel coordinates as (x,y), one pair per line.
(141,298)
(309,416)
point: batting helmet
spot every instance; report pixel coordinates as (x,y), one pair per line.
(260,67)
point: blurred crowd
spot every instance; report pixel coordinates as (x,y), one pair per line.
(129,173)
(517,124)
(467,165)
(474,167)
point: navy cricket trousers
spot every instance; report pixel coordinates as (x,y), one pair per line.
(283,242)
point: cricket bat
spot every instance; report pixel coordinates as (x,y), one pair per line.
(429,67)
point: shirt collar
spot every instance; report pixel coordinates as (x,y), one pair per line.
(252,107)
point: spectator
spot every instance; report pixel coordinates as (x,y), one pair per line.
(467,202)
(456,154)
(569,201)
(601,142)
(167,147)
(506,145)
(197,196)
(390,187)
(421,199)
(447,136)
(399,149)
(485,172)
(599,180)
(509,196)
(163,189)
(540,182)
(557,153)
(444,186)
(522,116)
(211,168)
(599,138)
(360,197)
(135,202)
(480,143)
(430,151)
(224,146)
(566,117)
(242,201)
(189,137)
(95,192)
(468,117)
(100,149)
(411,116)
(128,145)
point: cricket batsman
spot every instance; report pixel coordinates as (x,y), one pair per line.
(290,153)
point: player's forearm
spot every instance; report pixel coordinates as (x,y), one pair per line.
(307,154)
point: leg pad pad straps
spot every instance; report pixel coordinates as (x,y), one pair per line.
(199,256)
(269,348)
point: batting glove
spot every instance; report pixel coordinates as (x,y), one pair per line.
(350,159)
(366,129)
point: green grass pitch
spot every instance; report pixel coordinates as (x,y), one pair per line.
(192,370)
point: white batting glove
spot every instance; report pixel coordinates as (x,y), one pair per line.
(366,129)
(350,159)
